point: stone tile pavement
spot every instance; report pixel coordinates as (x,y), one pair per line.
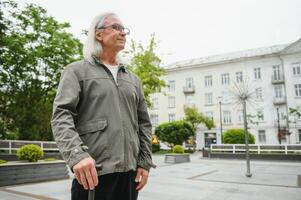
(208,179)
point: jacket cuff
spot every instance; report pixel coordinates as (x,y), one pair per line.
(76,157)
(146,164)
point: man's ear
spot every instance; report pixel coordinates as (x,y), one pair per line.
(98,35)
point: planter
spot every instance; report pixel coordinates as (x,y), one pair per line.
(177,158)
(13,173)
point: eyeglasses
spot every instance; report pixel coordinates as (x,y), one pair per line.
(117,27)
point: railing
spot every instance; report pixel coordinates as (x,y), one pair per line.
(13,145)
(279,100)
(190,89)
(257,148)
(278,79)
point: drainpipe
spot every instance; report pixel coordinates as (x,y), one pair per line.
(286,105)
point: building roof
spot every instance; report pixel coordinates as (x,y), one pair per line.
(229,56)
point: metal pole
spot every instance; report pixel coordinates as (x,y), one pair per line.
(220,119)
(278,124)
(248,174)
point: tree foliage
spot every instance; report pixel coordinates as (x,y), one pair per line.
(193,116)
(174,133)
(294,112)
(146,65)
(237,136)
(34,49)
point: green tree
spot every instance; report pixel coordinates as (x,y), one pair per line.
(237,136)
(146,65)
(34,49)
(193,116)
(174,133)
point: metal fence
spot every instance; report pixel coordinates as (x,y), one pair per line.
(11,146)
(257,148)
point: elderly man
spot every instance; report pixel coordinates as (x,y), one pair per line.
(100,118)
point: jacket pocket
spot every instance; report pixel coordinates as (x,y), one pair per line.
(92,126)
(94,135)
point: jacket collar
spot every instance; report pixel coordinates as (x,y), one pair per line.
(96,61)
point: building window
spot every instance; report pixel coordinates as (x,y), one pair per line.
(209,114)
(172,86)
(189,83)
(239,78)
(154,120)
(155,103)
(240,116)
(298,90)
(225,79)
(261,136)
(278,91)
(276,72)
(299,133)
(258,93)
(296,69)
(226,97)
(208,81)
(171,102)
(257,74)
(171,117)
(208,99)
(189,100)
(227,117)
(282,116)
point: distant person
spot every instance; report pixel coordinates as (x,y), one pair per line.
(100,118)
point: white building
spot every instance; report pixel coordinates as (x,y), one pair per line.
(272,73)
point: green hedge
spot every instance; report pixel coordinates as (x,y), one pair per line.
(237,136)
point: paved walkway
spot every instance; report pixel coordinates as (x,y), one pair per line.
(208,179)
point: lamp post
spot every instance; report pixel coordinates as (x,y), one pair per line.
(248,173)
(278,125)
(220,117)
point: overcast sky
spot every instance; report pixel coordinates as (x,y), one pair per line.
(190,28)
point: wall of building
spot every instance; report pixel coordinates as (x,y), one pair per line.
(265,104)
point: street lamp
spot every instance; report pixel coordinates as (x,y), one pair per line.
(248,174)
(278,125)
(220,117)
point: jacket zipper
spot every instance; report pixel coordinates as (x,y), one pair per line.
(125,139)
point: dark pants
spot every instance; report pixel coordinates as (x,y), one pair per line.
(115,186)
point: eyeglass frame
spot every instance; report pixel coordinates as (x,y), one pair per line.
(117,27)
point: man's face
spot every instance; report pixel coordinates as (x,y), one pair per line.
(109,37)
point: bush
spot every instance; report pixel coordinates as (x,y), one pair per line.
(178,149)
(30,152)
(189,150)
(174,133)
(3,161)
(237,136)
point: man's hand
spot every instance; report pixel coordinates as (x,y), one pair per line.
(86,174)
(141,177)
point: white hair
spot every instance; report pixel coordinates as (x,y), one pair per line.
(92,47)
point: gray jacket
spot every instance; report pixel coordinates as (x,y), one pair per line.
(93,115)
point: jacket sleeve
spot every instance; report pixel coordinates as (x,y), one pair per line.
(62,122)
(145,133)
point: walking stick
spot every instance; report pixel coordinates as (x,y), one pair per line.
(91,193)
